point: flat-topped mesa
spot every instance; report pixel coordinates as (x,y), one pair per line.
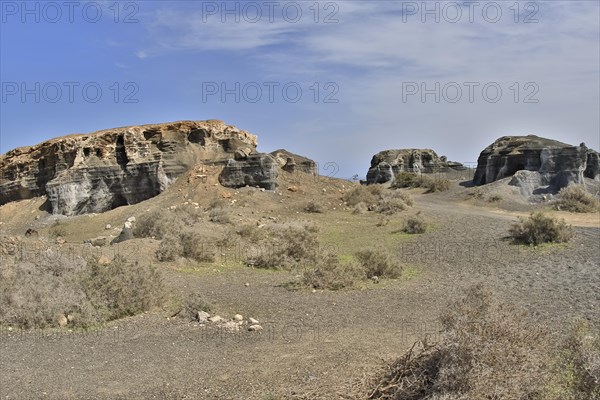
(386,164)
(544,162)
(109,168)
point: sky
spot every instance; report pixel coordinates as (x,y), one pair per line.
(336,81)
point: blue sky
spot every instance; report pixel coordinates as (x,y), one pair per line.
(360,66)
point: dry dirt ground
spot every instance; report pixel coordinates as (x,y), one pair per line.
(313,343)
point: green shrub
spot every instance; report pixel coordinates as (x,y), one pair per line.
(539,228)
(575,198)
(378,262)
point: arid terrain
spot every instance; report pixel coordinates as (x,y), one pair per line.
(314,343)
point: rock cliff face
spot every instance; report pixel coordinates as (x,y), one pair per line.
(114,167)
(554,164)
(386,164)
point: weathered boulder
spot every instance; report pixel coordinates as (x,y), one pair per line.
(255,170)
(557,163)
(106,169)
(386,164)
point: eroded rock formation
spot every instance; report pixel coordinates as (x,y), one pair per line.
(550,163)
(386,164)
(106,169)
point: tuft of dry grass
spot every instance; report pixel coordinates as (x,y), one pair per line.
(330,273)
(314,207)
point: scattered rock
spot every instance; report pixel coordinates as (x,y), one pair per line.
(292,188)
(253,321)
(108,227)
(131,219)
(127,225)
(60,240)
(215,319)
(126,234)
(202,316)
(238,317)
(254,328)
(231,326)
(70,318)
(247,284)
(375,279)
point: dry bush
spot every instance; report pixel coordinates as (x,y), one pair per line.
(368,195)
(378,262)
(288,245)
(330,273)
(389,206)
(494,198)
(414,180)
(360,208)
(488,350)
(193,303)
(157,223)
(251,232)
(415,225)
(539,228)
(402,195)
(196,247)
(576,372)
(436,185)
(219,216)
(314,207)
(33,295)
(122,288)
(188,215)
(407,180)
(169,248)
(575,198)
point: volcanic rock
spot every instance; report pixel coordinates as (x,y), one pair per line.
(557,164)
(106,169)
(386,164)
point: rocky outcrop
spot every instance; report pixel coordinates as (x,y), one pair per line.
(254,170)
(106,169)
(386,164)
(555,164)
(291,162)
